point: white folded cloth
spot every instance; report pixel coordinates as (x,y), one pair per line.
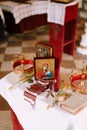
(56,12)
(31,92)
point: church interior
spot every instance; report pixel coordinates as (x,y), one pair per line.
(23,36)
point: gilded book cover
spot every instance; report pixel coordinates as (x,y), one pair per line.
(63,1)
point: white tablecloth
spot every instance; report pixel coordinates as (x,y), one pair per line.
(2,15)
(39,118)
(21,11)
(55,11)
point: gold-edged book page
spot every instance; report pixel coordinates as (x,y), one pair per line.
(64,1)
(74,103)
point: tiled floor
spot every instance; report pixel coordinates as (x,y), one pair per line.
(21,43)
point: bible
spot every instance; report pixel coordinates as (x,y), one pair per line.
(75,103)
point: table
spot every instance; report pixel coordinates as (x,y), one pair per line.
(22,16)
(61,35)
(39,118)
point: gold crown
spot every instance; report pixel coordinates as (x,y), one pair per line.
(22,64)
(79,80)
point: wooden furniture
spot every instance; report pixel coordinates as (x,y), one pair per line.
(62,37)
(26,24)
(20,17)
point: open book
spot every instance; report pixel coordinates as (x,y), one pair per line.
(74,103)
